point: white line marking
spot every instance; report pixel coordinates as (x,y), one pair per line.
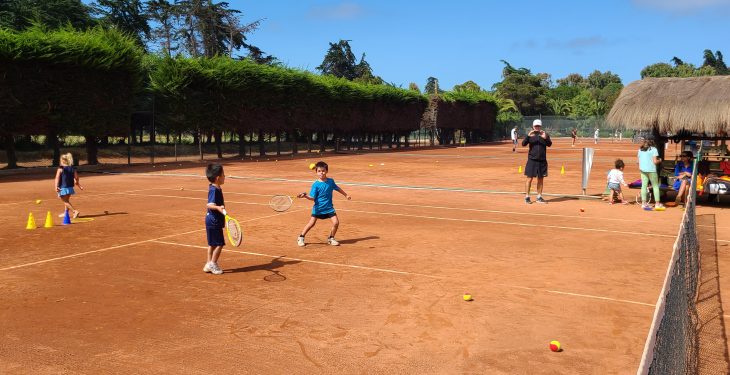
(125,245)
(375,269)
(308,261)
(511,223)
(80,196)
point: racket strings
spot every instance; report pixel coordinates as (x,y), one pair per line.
(280,202)
(234,231)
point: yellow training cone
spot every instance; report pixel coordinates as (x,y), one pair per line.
(49,221)
(519,170)
(31,222)
(562,170)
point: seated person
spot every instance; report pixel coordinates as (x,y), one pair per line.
(683,174)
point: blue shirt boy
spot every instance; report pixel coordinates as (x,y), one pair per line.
(321,192)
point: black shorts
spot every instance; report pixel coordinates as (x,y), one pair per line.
(536,168)
(325,216)
(215,236)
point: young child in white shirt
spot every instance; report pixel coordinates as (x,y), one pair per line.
(615,179)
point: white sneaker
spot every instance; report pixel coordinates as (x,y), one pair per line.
(332,241)
(207,267)
(215,269)
(300,241)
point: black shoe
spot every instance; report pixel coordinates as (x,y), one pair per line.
(540,200)
(527,200)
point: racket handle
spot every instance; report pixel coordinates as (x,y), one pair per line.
(224,212)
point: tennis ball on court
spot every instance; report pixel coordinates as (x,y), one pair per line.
(37,201)
(555,345)
(467,297)
(182,188)
(370,165)
(311,166)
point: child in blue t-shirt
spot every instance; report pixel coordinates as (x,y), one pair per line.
(66,178)
(321,195)
(215,218)
(683,175)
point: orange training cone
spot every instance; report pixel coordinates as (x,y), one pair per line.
(31,222)
(49,221)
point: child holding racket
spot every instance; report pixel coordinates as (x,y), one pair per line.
(66,178)
(321,195)
(215,217)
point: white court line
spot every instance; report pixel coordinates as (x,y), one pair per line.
(125,245)
(458,209)
(363,184)
(452,219)
(81,196)
(512,223)
(375,269)
(309,261)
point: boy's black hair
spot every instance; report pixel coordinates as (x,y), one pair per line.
(619,164)
(321,164)
(212,171)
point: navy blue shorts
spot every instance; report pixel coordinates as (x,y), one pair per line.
(215,236)
(325,216)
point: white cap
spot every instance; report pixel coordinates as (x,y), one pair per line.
(537,122)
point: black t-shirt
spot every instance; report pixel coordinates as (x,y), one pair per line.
(538,147)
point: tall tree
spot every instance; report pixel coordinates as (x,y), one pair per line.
(468,86)
(432,86)
(127,16)
(598,80)
(164,14)
(527,90)
(211,29)
(21,14)
(341,62)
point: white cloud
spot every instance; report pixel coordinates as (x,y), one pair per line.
(682,5)
(341,11)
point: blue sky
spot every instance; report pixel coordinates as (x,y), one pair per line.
(456,41)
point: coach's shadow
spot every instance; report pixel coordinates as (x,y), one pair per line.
(356,240)
(272,266)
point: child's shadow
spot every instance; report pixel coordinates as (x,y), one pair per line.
(271,266)
(356,240)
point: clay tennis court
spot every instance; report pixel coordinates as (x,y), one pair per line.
(125,292)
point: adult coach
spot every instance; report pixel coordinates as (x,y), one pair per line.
(537,165)
(514,138)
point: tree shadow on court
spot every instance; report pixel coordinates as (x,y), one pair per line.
(103,214)
(273,266)
(712,340)
(356,240)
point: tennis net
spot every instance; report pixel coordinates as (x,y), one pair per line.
(672,346)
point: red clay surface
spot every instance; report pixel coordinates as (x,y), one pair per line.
(125,293)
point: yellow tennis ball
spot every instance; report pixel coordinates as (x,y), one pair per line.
(37,201)
(311,166)
(467,297)
(555,345)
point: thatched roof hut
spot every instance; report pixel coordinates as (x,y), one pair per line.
(697,105)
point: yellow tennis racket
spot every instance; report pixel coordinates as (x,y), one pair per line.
(235,234)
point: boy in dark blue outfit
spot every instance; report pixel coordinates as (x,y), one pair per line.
(215,217)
